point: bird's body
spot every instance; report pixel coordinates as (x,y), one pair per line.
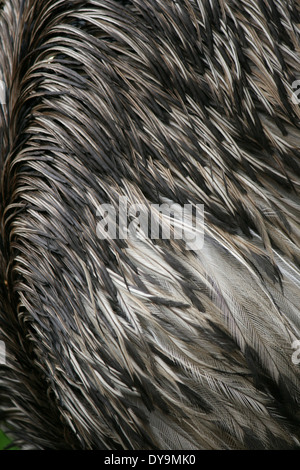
(142,343)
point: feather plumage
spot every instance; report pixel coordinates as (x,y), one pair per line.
(138,343)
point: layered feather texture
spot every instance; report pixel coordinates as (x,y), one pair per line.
(141,343)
